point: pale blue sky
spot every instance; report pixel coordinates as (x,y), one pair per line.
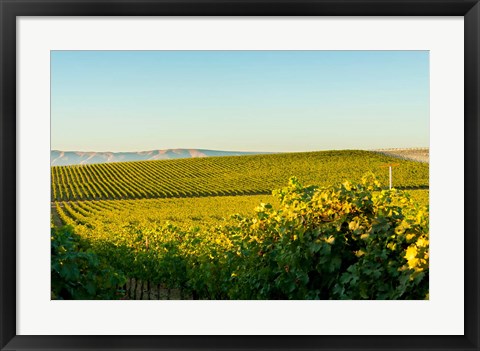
(239,100)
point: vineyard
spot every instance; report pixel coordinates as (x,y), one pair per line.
(223,176)
(184,212)
(349,241)
(112,215)
(181,225)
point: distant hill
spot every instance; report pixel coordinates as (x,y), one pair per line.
(68,158)
(420,154)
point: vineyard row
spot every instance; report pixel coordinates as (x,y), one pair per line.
(220,176)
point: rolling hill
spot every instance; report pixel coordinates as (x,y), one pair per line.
(228,175)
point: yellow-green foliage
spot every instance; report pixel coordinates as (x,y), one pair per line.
(183,212)
(349,241)
(420,196)
(77,273)
(220,176)
(345,242)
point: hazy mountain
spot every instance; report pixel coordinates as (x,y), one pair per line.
(65,158)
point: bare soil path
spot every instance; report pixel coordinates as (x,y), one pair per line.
(56,219)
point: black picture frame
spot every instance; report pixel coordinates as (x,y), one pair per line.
(9,10)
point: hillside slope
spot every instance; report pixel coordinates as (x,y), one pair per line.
(217,176)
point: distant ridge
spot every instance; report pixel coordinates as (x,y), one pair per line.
(67,158)
(420,154)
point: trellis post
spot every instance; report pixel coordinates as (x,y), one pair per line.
(390,165)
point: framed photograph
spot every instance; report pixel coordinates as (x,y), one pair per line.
(227,175)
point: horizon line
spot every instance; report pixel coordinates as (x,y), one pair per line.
(265,152)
